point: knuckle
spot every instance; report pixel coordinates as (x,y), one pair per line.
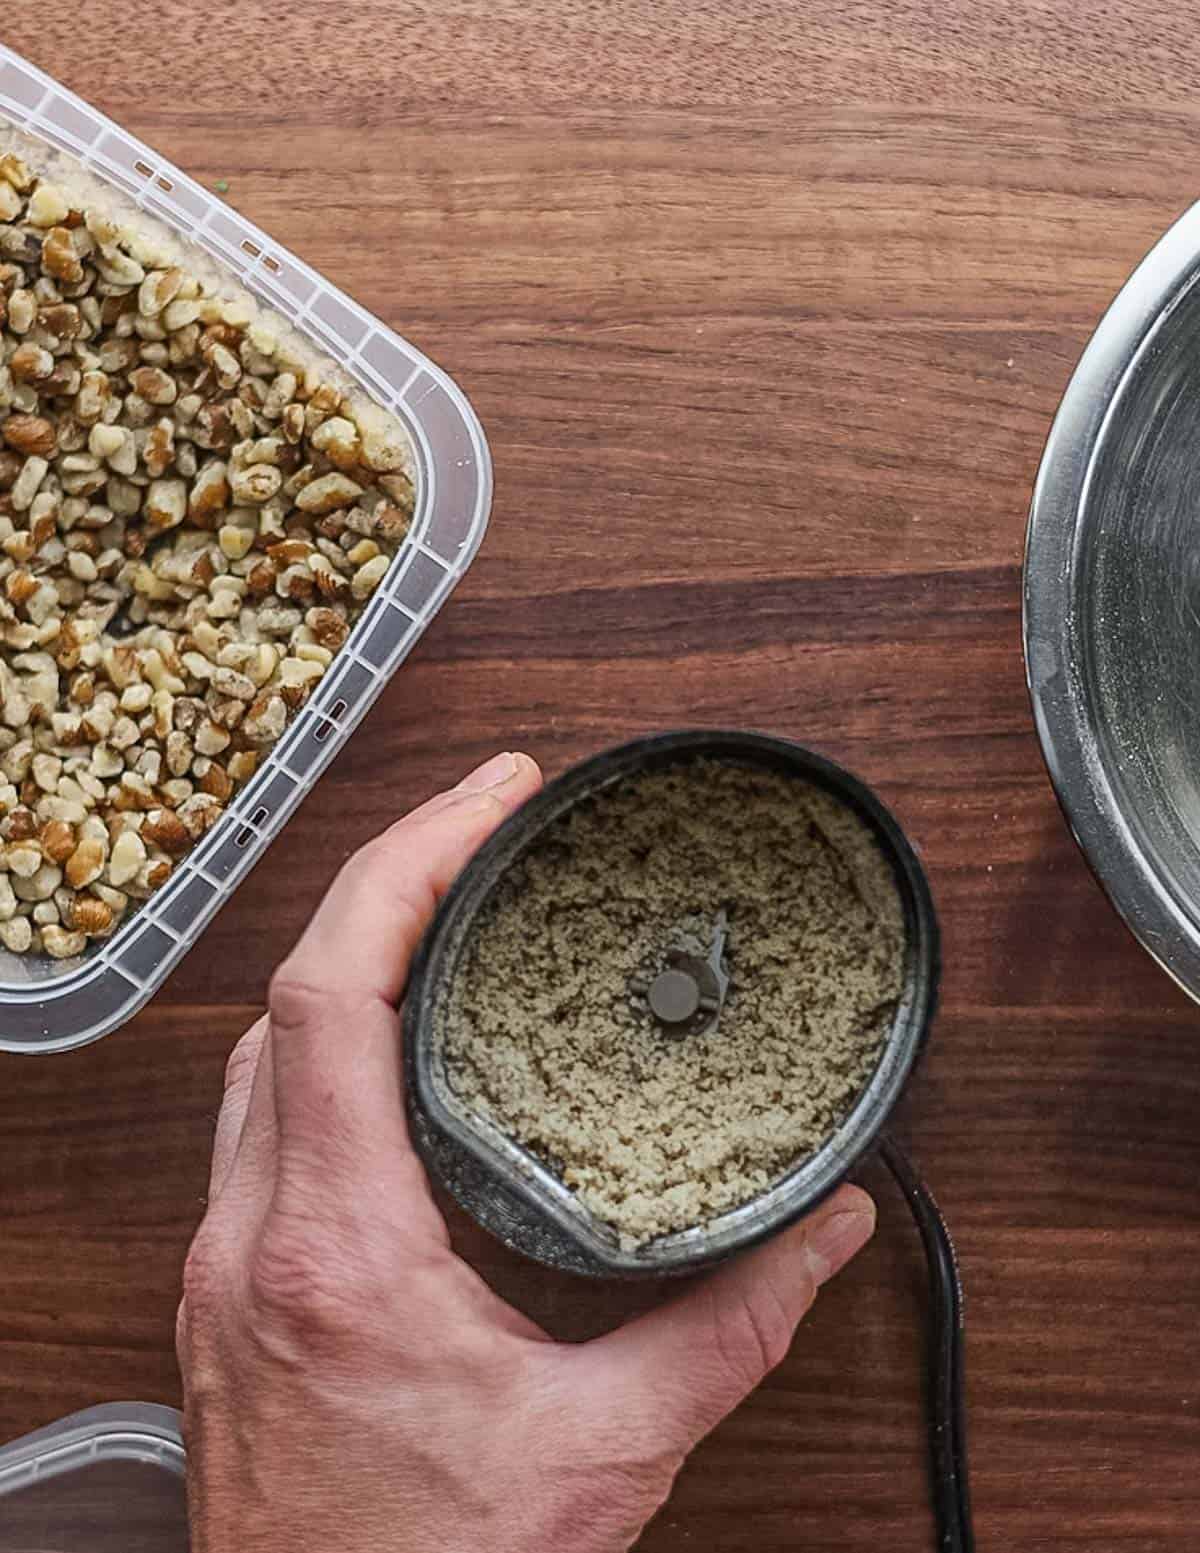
(294,1002)
(205,1282)
(295,1288)
(321,1282)
(243,1059)
(200,1270)
(182,1332)
(282,1279)
(202,1321)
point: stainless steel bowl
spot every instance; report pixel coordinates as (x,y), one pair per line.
(1112,602)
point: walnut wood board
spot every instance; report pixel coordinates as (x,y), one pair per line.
(766,309)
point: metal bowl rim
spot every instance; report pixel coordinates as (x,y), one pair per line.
(1053,648)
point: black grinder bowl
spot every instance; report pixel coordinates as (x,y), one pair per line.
(510,1192)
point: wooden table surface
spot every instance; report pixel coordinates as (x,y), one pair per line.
(766,307)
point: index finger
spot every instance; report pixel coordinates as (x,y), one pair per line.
(332,1005)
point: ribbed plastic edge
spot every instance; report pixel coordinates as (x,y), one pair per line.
(126,1431)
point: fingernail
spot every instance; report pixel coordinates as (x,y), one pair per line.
(834,1240)
(493,773)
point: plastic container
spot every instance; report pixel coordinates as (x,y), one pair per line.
(110,1480)
(504,1186)
(48,1005)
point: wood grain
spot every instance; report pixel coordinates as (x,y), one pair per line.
(766,308)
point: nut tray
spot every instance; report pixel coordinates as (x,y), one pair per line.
(48,1005)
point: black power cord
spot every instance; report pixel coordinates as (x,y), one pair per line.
(946,1360)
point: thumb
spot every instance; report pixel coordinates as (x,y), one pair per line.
(682,1367)
(334,1100)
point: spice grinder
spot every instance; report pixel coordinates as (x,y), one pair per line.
(681,994)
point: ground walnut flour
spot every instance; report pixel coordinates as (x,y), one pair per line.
(545,1038)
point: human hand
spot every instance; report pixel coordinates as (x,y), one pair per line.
(350,1382)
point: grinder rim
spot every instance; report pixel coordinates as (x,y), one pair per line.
(511,1193)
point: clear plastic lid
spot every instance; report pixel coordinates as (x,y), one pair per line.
(109,1480)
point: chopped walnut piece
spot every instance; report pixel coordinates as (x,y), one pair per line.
(191,519)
